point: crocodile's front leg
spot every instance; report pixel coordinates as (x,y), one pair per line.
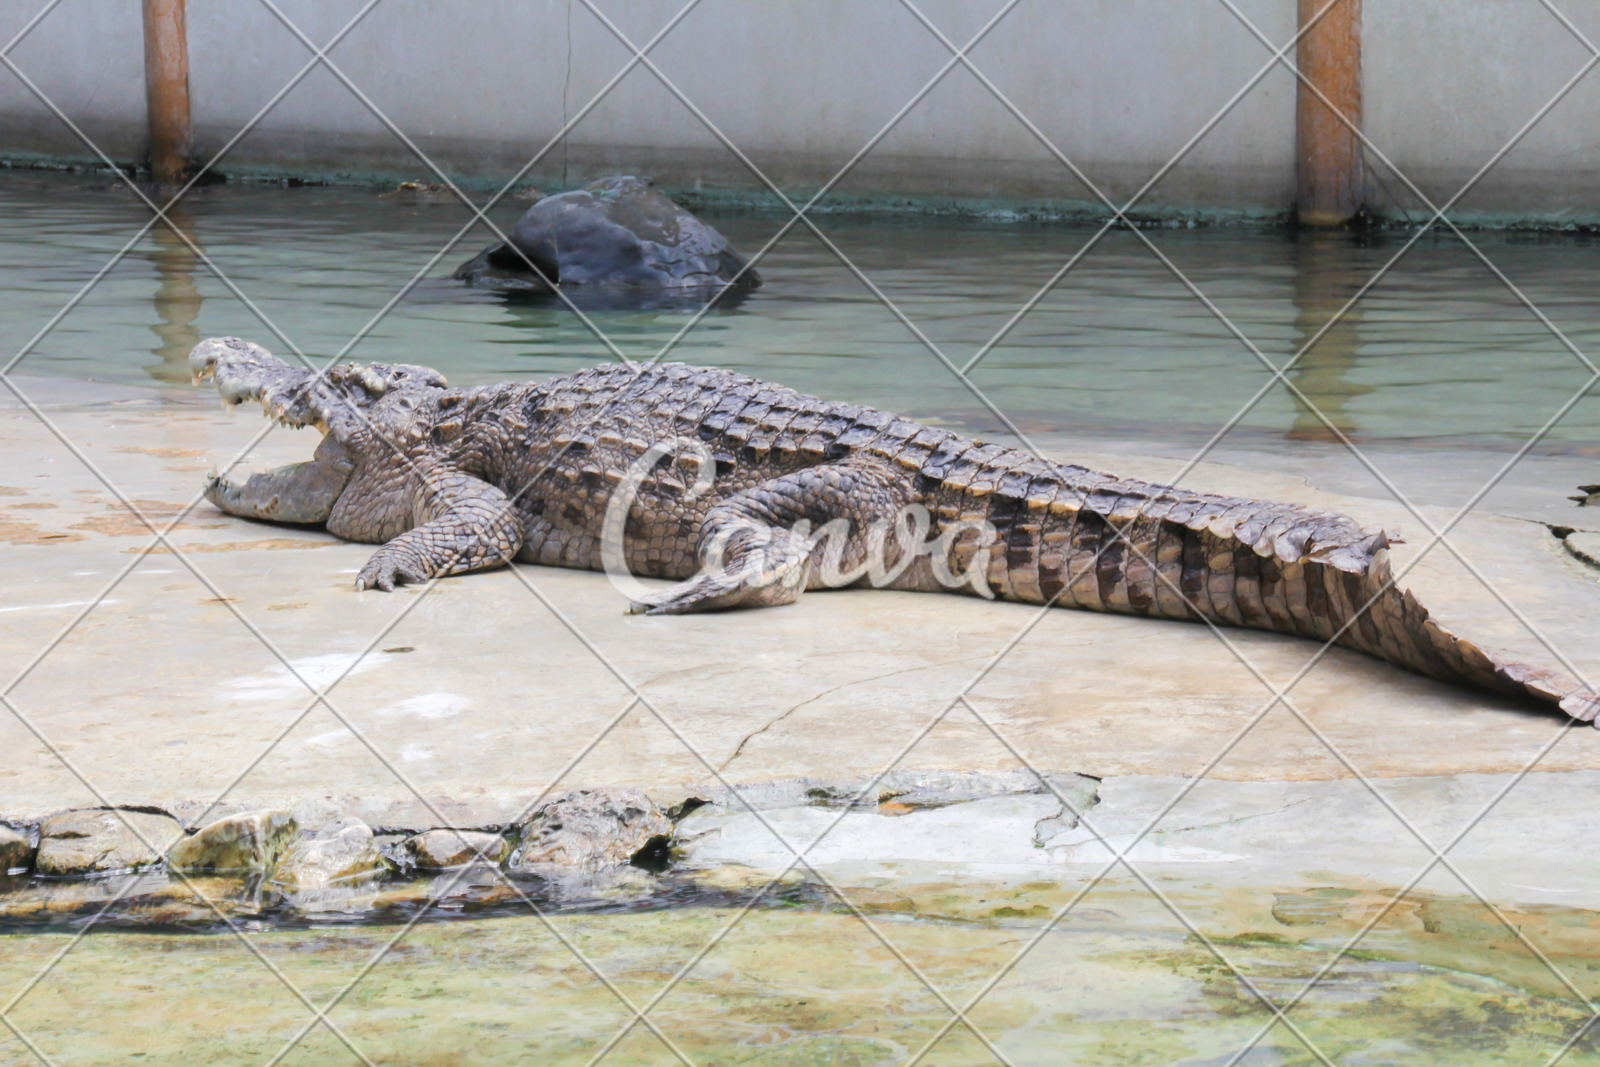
(464,524)
(755,552)
(300,492)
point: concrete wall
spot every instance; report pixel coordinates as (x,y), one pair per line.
(1118,85)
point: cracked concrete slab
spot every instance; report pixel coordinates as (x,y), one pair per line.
(1210,835)
(185,691)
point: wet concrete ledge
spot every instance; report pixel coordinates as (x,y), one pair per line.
(185,690)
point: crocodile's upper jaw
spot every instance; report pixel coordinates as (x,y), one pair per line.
(342,401)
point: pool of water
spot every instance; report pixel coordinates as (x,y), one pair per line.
(1440,351)
(1118,982)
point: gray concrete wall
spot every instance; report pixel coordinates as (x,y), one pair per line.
(1119,86)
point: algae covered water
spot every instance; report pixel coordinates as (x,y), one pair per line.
(1118,983)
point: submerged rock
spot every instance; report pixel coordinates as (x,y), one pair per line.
(339,857)
(97,839)
(437,849)
(248,842)
(592,829)
(616,231)
(16,851)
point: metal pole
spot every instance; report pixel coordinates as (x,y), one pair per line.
(166,84)
(1327,152)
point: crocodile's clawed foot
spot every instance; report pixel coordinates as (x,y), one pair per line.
(390,567)
(719,591)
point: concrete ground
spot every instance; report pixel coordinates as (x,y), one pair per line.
(1307,864)
(175,690)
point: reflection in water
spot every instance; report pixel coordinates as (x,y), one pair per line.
(177,297)
(1326,275)
(586,298)
(1120,353)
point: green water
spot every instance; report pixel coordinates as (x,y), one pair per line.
(1439,351)
(1118,982)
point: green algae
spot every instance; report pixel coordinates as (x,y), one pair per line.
(1119,981)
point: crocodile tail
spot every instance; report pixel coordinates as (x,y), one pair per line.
(1396,627)
(1090,541)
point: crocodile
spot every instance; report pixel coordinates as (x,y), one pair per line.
(748,494)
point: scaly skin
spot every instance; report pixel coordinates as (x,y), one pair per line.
(452,480)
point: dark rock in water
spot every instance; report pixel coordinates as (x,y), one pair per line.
(93,840)
(591,829)
(617,232)
(1590,497)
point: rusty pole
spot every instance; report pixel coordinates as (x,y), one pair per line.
(166,85)
(1327,152)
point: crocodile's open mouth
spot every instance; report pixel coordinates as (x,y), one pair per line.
(244,371)
(339,401)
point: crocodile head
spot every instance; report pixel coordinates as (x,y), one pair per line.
(372,417)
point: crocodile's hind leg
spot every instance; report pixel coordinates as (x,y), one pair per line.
(756,547)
